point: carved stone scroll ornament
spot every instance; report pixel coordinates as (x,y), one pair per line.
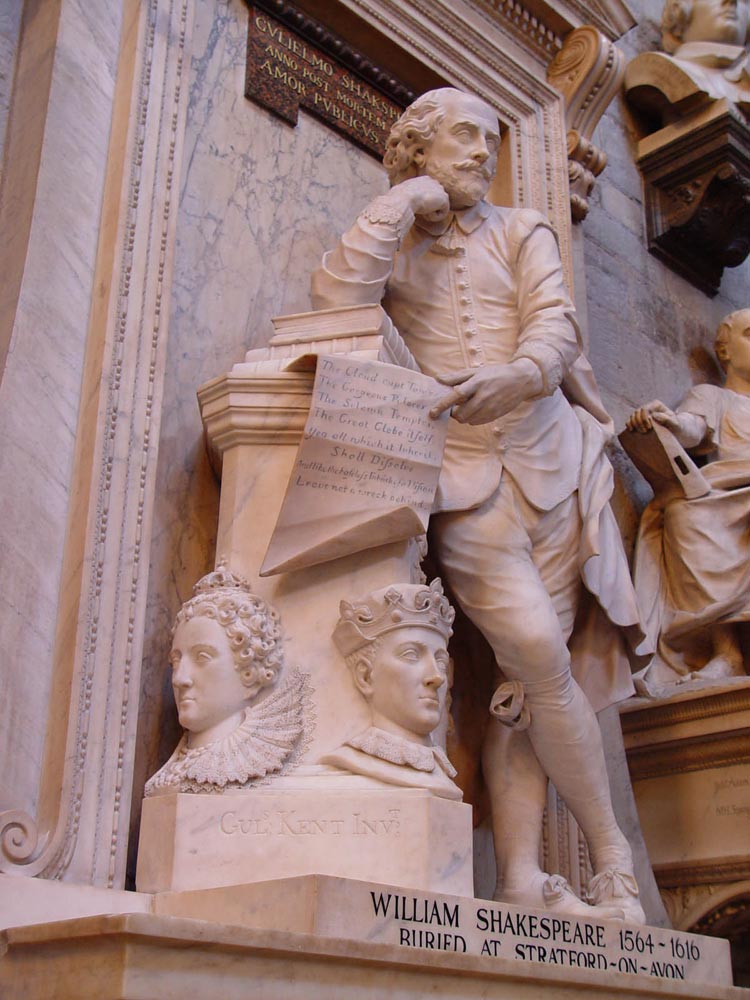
(588,72)
(395,644)
(226,648)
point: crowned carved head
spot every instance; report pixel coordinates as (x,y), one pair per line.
(395,642)
(226,647)
(450,136)
(723,21)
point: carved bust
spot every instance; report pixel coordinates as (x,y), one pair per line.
(395,644)
(705,42)
(226,648)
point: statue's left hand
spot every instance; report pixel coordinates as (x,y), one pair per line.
(484,394)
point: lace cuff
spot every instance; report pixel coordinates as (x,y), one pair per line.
(548,361)
(383,212)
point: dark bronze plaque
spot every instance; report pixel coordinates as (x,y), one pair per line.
(284,70)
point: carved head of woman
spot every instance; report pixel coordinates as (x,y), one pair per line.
(226,647)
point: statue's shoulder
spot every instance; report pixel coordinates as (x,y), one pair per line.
(520,223)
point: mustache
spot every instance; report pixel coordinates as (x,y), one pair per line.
(478,168)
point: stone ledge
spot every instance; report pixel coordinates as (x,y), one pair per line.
(142,956)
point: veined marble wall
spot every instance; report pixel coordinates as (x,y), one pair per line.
(260,202)
(47,317)
(10,26)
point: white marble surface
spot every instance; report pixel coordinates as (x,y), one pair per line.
(39,394)
(92,959)
(245,251)
(10,24)
(362,831)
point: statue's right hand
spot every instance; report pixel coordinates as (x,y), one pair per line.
(642,419)
(424,196)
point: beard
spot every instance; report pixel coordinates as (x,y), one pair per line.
(465,183)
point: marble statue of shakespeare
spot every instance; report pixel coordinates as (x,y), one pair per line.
(522,516)
(692,569)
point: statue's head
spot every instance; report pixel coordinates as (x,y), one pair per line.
(395,643)
(724,21)
(451,136)
(226,647)
(732,343)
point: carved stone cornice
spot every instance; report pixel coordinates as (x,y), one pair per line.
(676,876)
(545,23)
(655,715)
(319,35)
(697,194)
(260,409)
(588,71)
(695,754)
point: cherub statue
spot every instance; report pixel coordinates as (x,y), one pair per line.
(395,644)
(226,649)
(692,571)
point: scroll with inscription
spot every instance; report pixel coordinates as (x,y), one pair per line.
(367,468)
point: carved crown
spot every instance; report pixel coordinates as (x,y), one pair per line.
(221,579)
(397,606)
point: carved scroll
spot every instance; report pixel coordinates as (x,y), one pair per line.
(588,72)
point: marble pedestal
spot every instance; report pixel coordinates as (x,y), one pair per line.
(402,836)
(688,754)
(336,939)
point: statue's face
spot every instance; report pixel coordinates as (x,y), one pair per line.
(718,21)
(462,154)
(207,687)
(738,347)
(407,681)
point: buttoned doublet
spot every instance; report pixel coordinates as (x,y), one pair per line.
(486,287)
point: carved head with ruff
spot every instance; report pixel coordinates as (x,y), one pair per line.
(226,647)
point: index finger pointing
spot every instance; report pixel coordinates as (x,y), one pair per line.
(449,400)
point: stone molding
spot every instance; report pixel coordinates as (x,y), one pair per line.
(82,830)
(697,194)
(637,720)
(263,409)
(588,71)
(696,754)
(319,35)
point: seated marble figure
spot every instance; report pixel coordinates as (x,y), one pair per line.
(705,58)
(394,641)
(692,569)
(226,649)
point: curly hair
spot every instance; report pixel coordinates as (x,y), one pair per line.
(410,132)
(251,625)
(674,20)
